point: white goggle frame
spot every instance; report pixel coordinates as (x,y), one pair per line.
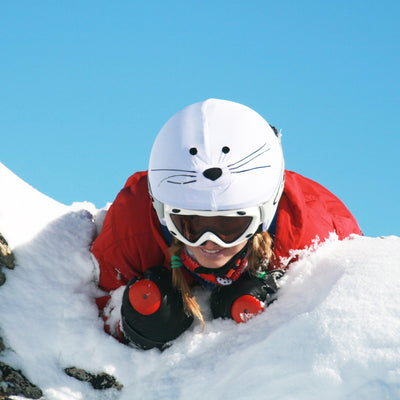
(253,212)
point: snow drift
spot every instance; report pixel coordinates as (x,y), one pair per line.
(334,332)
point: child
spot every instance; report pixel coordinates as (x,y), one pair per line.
(217,208)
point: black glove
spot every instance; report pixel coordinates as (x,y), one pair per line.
(152,310)
(246,297)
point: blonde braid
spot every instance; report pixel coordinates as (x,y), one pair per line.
(180,283)
(261,253)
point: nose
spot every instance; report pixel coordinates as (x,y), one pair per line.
(212,173)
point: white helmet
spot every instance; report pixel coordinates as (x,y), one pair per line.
(216,158)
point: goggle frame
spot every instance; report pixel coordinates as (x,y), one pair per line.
(254,212)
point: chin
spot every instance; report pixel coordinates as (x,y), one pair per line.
(213,264)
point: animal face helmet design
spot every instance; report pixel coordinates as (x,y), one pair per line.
(215,156)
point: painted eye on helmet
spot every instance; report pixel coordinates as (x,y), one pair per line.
(193,151)
(226,149)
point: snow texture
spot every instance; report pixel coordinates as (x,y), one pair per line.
(334,332)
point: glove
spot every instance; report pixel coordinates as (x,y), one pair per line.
(152,310)
(246,297)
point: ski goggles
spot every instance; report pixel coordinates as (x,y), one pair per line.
(225,228)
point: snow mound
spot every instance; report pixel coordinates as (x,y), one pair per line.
(334,332)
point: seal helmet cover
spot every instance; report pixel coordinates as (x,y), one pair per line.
(217,155)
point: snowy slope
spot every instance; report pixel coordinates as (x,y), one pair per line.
(334,332)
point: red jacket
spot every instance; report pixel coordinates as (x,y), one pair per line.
(131,239)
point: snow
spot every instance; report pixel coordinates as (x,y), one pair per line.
(334,332)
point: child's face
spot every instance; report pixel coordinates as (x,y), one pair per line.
(210,255)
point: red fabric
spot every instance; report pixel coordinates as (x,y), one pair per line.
(131,239)
(307,210)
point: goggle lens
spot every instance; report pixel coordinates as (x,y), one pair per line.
(228,229)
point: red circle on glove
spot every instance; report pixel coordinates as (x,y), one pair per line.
(145,297)
(245,308)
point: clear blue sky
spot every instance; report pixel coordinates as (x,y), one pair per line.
(86,86)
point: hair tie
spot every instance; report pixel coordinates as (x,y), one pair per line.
(176,262)
(261,274)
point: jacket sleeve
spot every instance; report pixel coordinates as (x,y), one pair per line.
(115,267)
(308,210)
(129,243)
(115,250)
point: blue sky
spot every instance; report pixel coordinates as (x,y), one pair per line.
(87,85)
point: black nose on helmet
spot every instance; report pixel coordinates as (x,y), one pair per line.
(212,173)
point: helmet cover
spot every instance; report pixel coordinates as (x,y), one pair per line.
(216,155)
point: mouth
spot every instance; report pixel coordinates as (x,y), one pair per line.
(211,252)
